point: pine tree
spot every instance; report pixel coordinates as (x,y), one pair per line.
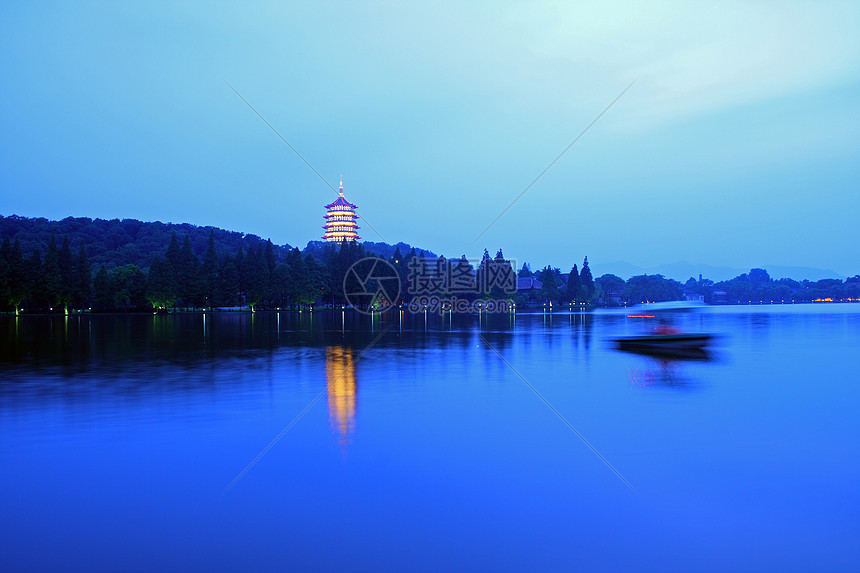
(271,263)
(298,282)
(400,264)
(574,286)
(504,283)
(228,281)
(172,254)
(51,277)
(188,276)
(483,274)
(5,272)
(161,290)
(102,290)
(280,285)
(587,282)
(314,284)
(256,276)
(36,280)
(209,273)
(462,282)
(242,275)
(83,279)
(442,273)
(549,288)
(271,267)
(525,272)
(19,283)
(67,276)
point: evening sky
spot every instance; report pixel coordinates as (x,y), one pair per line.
(737,145)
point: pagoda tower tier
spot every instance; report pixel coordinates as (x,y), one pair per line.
(340,219)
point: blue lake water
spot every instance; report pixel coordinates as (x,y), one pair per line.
(419,444)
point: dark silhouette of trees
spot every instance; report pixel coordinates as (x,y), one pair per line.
(161,284)
(228,281)
(36,280)
(551,279)
(209,274)
(51,272)
(14,275)
(587,282)
(66,294)
(211,268)
(83,279)
(482,279)
(128,288)
(255,277)
(188,270)
(5,271)
(573,288)
(525,271)
(652,288)
(502,275)
(102,291)
(612,289)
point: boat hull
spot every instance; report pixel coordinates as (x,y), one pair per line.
(687,345)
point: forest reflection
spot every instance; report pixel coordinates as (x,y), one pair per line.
(112,345)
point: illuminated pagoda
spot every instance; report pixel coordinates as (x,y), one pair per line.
(340,219)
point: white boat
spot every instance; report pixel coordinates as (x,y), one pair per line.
(670,306)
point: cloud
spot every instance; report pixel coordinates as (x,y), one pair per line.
(691,61)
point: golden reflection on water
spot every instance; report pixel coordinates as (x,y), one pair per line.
(341,385)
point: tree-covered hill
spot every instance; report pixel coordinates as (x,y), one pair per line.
(317,248)
(129,265)
(118,242)
(387,251)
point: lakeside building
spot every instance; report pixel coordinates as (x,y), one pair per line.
(340,219)
(526,285)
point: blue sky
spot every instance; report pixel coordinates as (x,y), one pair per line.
(737,145)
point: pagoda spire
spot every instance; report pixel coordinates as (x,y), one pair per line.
(340,219)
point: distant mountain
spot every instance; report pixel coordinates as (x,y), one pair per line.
(682,270)
(120,242)
(800,273)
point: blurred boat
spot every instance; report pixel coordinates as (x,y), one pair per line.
(671,345)
(670,306)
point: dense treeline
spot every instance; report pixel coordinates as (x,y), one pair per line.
(758,287)
(60,280)
(575,287)
(610,290)
(638,289)
(578,287)
(753,287)
(252,273)
(255,277)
